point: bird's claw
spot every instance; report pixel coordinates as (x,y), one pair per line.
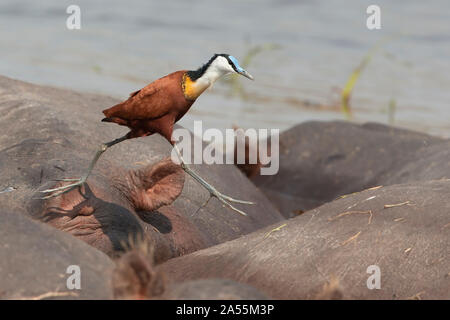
(226,201)
(63,189)
(225,197)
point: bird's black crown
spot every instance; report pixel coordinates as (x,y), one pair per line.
(195,74)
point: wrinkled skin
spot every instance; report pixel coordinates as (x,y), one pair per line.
(54,133)
(93,215)
(320,161)
(408,240)
(35,258)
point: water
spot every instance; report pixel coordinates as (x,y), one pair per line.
(123,45)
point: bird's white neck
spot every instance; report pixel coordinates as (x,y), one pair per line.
(211,75)
(194,88)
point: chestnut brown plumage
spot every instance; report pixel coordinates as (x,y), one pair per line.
(153,109)
(157,107)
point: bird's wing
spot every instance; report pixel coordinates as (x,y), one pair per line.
(151,102)
(142,104)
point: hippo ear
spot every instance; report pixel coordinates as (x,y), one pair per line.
(135,277)
(154,186)
(249,169)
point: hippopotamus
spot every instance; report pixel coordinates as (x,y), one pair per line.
(135,277)
(134,190)
(364,211)
(37,262)
(320,161)
(381,243)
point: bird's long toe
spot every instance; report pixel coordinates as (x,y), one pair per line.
(53,195)
(54,192)
(61,188)
(227,204)
(234,200)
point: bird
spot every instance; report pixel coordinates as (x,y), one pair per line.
(156,108)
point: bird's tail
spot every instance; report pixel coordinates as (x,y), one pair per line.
(119,121)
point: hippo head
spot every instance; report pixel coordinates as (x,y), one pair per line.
(106,212)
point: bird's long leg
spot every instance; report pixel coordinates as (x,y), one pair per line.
(212,190)
(80,181)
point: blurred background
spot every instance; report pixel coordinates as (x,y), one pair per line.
(302,54)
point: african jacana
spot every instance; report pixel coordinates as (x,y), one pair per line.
(155,109)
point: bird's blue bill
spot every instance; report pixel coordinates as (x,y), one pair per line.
(239,69)
(245,74)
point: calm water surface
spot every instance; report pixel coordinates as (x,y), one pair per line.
(123,45)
